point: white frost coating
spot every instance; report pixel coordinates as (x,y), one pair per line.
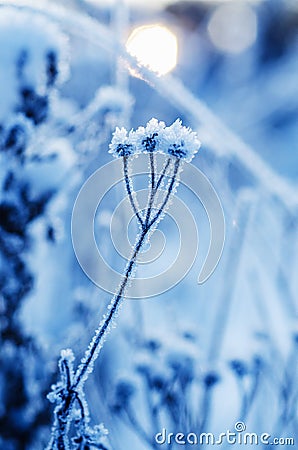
(180,141)
(121,144)
(68,355)
(153,126)
(176,140)
(33,36)
(153,131)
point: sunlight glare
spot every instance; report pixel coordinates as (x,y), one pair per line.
(155,47)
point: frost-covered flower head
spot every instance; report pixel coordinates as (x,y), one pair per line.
(180,142)
(176,140)
(148,140)
(121,145)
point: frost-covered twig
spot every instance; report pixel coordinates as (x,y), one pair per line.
(152,187)
(179,143)
(129,189)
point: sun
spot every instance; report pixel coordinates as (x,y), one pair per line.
(155,47)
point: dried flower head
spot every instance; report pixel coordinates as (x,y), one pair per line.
(176,140)
(148,139)
(121,144)
(180,142)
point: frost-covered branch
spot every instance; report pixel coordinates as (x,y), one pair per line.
(129,189)
(179,143)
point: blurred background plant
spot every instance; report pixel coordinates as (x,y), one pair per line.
(197,358)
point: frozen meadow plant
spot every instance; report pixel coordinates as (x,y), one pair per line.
(179,144)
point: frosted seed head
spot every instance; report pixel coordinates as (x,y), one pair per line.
(176,140)
(93,437)
(180,142)
(67,355)
(101,429)
(154,126)
(147,140)
(55,396)
(121,144)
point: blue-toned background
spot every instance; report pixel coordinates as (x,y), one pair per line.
(197,358)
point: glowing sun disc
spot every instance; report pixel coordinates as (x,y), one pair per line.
(155,47)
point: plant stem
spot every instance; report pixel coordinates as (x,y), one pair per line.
(129,190)
(87,362)
(169,192)
(152,190)
(113,306)
(162,175)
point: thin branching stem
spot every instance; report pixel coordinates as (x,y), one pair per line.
(169,192)
(93,351)
(82,410)
(152,188)
(162,175)
(152,169)
(129,189)
(60,441)
(66,370)
(116,300)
